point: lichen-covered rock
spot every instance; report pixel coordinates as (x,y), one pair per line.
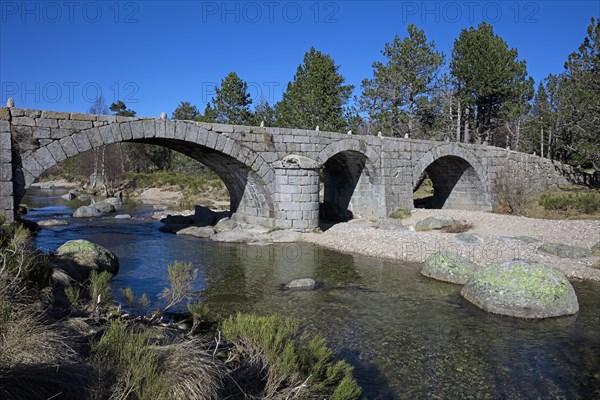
(90,255)
(521,289)
(564,251)
(435,222)
(449,267)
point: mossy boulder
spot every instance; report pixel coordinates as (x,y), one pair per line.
(521,289)
(82,256)
(436,222)
(564,251)
(449,267)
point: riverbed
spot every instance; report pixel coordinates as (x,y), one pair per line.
(407,336)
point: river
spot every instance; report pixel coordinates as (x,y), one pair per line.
(406,335)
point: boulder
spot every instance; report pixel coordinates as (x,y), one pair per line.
(204,216)
(449,267)
(103,207)
(467,238)
(21,209)
(304,284)
(68,196)
(83,197)
(123,216)
(236,236)
(390,225)
(86,212)
(284,236)
(436,222)
(521,289)
(53,222)
(197,231)
(115,201)
(564,251)
(596,249)
(86,256)
(179,220)
(225,224)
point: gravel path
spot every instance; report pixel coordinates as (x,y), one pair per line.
(494,232)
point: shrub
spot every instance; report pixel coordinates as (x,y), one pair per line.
(73,294)
(273,359)
(585,203)
(199,311)
(512,185)
(459,227)
(131,366)
(181,276)
(101,294)
(129,296)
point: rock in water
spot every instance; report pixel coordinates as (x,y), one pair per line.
(449,267)
(438,222)
(104,207)
(564,251)
(521,289)
(86,212)
(304,283)
(89,255)
(237,236)
(53,222)
(285,236)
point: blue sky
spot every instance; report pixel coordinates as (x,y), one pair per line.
(153,54)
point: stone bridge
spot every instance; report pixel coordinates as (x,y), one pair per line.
(273,175)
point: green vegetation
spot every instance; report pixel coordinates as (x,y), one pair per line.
(585,203)
(101,295)
(181,276)
(285,360)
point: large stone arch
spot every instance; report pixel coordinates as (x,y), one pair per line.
(458,177)
(248,177)
(351,177)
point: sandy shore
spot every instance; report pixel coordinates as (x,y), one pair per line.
(494,231)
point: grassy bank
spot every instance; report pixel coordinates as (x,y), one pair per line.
(568,202)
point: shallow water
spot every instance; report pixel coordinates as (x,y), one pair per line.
(406,335)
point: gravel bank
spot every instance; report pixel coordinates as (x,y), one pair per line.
(493,230)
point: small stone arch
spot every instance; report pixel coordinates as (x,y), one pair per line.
(351,180)
(248,177)
(458,177)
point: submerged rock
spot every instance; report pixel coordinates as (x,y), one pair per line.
(436,222)
(564,251)
(449,267)
(89,255)
(521,289)
(304,283)
(53,222)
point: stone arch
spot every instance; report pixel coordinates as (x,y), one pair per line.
(247,176)
(351,180)
(458,178)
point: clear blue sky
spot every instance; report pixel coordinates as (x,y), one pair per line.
(152,54)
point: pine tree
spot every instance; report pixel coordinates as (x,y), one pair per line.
(186,111)
(232,102)
(392,98)
(119,108)
(316,96)
(489,77)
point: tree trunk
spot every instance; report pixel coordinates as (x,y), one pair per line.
(466,131)
(458,114)
(542,143)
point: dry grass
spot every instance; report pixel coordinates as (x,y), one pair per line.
(534,207)
(459,227)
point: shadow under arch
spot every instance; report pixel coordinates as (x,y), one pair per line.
(246,175)
(350,181)
(456,185)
